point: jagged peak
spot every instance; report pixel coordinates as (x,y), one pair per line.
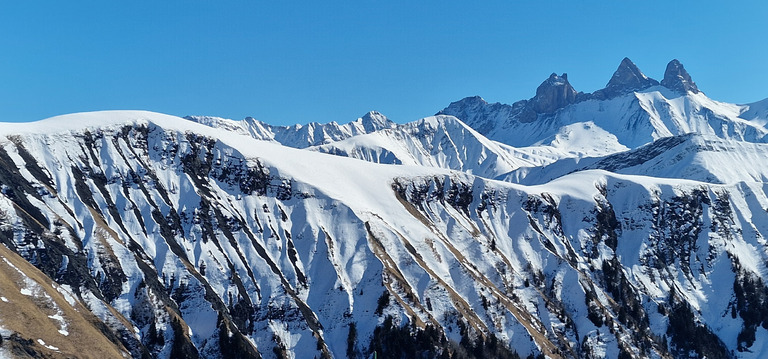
(555,80)
(471,100)
(439,120)
(374,116)
(374,120)
(467,102)
(627,78)
(677,78)
(554,93)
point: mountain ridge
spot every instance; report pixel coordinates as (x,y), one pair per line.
(300,136)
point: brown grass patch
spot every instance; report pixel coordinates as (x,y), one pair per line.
(29,317)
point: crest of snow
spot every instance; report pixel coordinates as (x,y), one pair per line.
(99,120)
(446,142)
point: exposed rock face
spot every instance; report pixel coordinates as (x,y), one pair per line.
(483,116)
(553,94)
(676,78)
(626,79)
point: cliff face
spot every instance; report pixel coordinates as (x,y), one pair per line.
(677,79)
(627,79)
(553,94)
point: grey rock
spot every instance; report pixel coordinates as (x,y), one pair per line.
(553,94)
(626,79)
(677,79)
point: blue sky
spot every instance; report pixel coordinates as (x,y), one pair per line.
(288,62)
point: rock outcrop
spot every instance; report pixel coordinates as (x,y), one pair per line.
(626,79)
(553,94)
(677,79)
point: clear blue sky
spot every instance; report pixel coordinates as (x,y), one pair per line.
(288,62)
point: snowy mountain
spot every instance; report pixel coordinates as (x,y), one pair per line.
(625,223)
(446,142)
(299,136)
(635,111)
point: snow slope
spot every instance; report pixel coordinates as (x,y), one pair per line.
(696,157)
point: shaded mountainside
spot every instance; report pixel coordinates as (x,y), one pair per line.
(187,241)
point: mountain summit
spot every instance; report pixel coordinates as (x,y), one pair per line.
(632,107)
(553,94)
(626,79)
(676,78)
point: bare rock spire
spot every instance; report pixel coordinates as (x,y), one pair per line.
(677,79)
(554,93)
(627,78)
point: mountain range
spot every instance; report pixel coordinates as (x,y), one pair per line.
(629,222)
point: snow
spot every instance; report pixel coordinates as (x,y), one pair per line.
(298,136)
(51,347)
(66,291)
(77,122)
(756,113)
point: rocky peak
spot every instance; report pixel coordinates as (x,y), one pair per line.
(554,93)
(472,100)
(677,79)
(626,79)
(374,121)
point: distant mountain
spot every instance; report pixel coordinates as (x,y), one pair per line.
(299,136)
(446,142)
(625,223)
(632,107)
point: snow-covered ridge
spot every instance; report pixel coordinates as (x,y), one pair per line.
(79,122)
(299,135)
(446,142)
